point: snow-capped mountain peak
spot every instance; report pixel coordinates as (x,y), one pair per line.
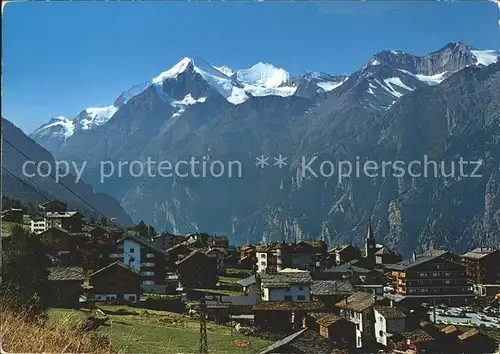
(486,57)
(174,71)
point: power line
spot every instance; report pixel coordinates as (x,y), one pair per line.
(26,183)
(62,184)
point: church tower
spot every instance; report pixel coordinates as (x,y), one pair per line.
(370,244)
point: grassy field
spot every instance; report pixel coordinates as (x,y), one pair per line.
(59,316)
(151,332)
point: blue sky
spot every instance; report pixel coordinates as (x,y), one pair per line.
(61,57)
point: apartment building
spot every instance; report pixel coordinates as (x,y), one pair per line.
(483,265)
(432,276)
(146,258)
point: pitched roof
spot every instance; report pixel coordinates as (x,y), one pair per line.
(417,335)
(386,251)
(144,241)
(287,340)
(331,287)
(390,312)
(65,273)
(348,268)
(284,280)
(191,255)
(289,305)
(468,334)
(108,228)
(357,302)
(53,201)
(303,341)
(62,214)
(247,281)
(421,259)
(328,320)
(58,228)
(479,253)
(117,263)
(179,245)
(449,329)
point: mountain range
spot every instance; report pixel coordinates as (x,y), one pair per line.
(398,106)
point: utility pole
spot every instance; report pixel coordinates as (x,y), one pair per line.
(203,326)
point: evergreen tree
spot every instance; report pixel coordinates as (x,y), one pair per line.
(24,272)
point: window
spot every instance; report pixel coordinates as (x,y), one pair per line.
(301,287)
(288,289)
(381,333)
(132,250)
(263,255)
(301,298)
(288,298)
(131,298)
(262,263)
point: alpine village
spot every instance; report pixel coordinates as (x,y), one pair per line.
(137,290)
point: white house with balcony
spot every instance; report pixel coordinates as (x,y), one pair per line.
(147,258)
(286,286)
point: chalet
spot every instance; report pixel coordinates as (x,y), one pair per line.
(115,281)
(284,316)
(176,253)
(357,308)
(482,265)
(343,254)
(102,232)
(167,240)
(247,257)
(197,271)
(249,285)
(219,254)
(436,275)
(145,257)
(69,220)
(235,305)
(416,341)
(53,206)
(303,341)
(308,255)
(305,255)
(386,255)
(338,330)
(64,285)
(13,215)
(330,292)
(293,286)
(388,320)
(64,245)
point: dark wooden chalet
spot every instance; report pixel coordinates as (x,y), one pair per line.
(115,281)
(64,285)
